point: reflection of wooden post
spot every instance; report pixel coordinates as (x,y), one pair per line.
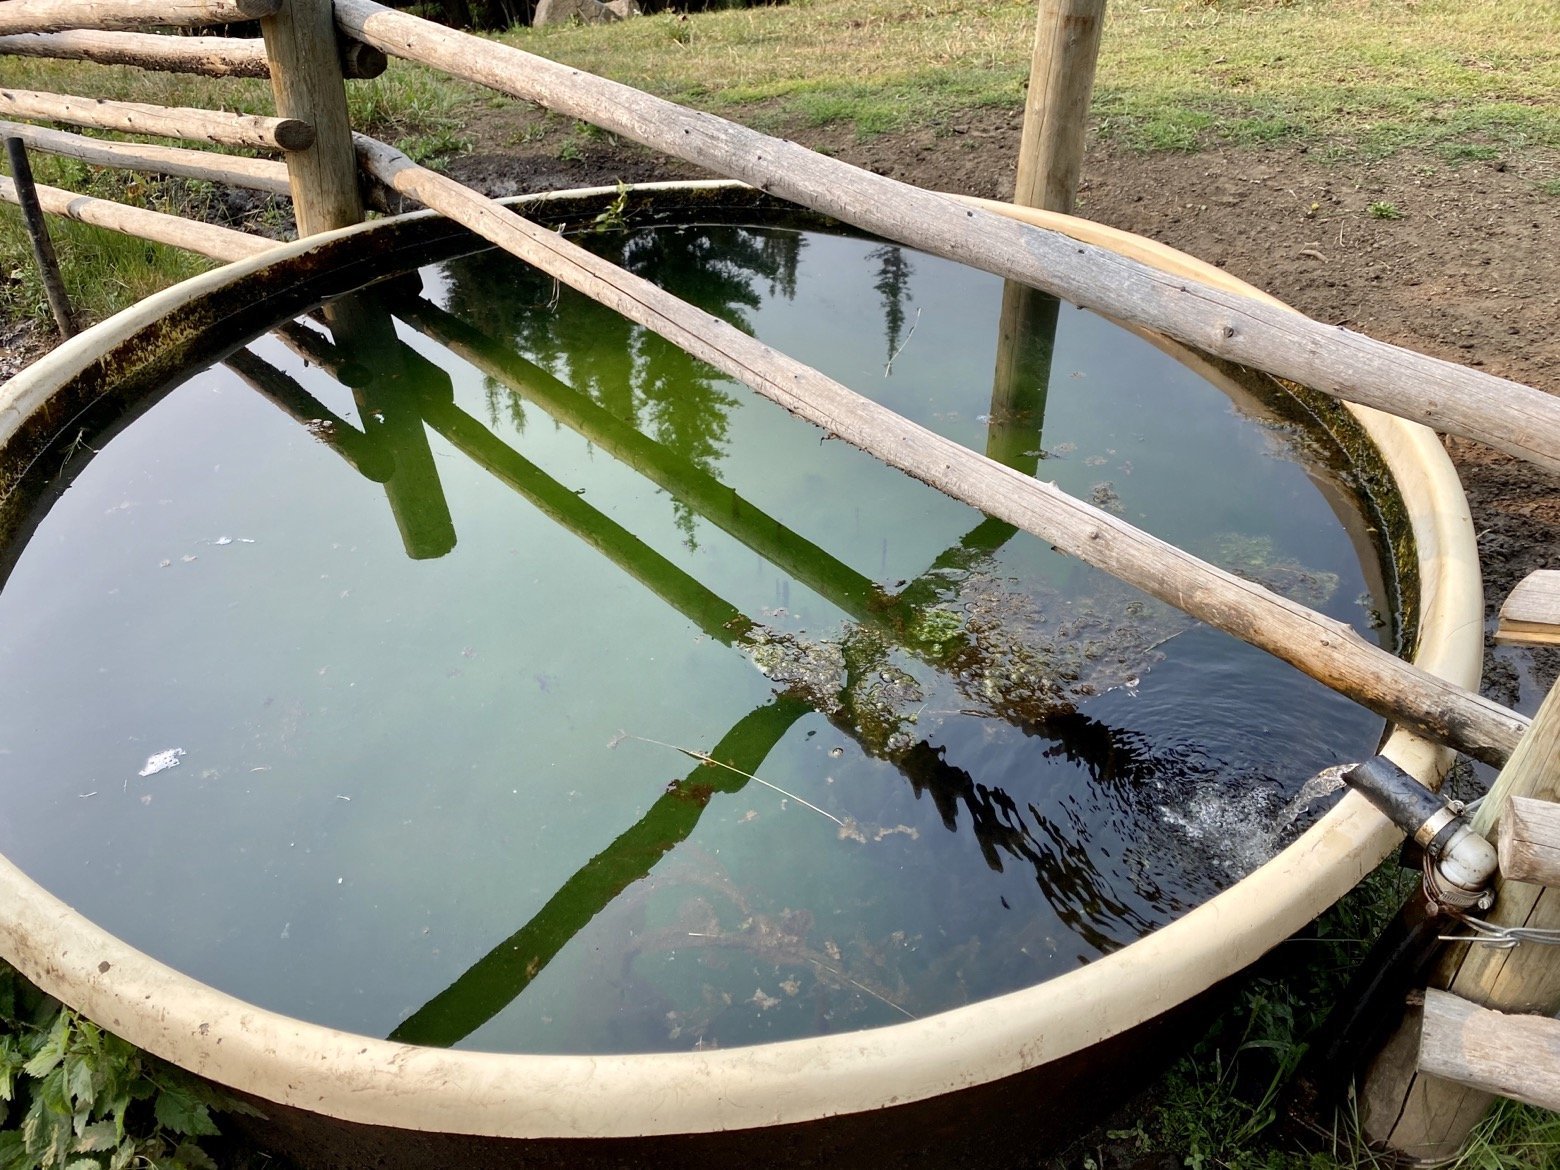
(1056,112)
(1423,1116)
(1026,338)
(388,403)
(306,79)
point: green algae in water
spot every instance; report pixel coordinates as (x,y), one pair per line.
(523,684)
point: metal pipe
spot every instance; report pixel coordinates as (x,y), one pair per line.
(1464,863)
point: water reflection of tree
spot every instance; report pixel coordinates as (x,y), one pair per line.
(638,376)
(893,285)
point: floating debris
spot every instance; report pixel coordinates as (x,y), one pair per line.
(162,761)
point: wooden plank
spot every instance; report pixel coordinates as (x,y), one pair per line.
(219,243)
(1515,418)
(1422,1116)
(1529,842)
(1322,647)
(307,82)
(1507,1055)
(256,174)
(207,56)
(185,122)
(1531,613)
(23,16)
(1056,107)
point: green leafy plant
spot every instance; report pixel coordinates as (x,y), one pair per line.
(1381,209)
(610,217)
(74,1097)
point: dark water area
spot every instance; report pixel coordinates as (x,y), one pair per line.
(477,669)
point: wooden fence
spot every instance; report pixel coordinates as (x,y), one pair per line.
(310,48)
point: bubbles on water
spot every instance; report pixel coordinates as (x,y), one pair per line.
(1238,828)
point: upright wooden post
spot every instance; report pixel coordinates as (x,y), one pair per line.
(1056,112)
(1425,1117)
(300,41)
(1050,157)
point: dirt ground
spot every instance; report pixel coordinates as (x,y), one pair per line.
(1457,260)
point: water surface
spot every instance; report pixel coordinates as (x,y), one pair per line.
(478,669)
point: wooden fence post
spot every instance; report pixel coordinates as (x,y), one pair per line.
(1056,111)
(1425,1117)
(301,42)
(1050,156)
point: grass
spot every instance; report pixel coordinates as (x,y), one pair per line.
(1375,76)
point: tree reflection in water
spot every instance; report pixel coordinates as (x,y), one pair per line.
(641,378)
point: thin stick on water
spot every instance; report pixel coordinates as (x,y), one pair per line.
(707,759)
(863,987)
(889,368)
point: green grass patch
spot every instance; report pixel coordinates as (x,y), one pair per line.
(1375,76)
(103,271)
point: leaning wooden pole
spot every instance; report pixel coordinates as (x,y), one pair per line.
(1322,647)
(1448,397)
(306,78)
(1422,1116)
(38,235)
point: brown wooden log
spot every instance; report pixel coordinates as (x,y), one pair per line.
(1056,107)
(306,78)
(224,129)
(1516,1056)
(1531,613)
(23,16)
(1422,1116)
(1448,397)
(256,174)
(1529,842)
(206,56)
(1326,649)
(219,243)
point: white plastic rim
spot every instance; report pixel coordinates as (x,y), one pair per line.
(365,1080)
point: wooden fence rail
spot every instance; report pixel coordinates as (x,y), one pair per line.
(204,56)
(255,174)
(26,16)
(1516,1056)
(207,56)
(223,129)
(208,239)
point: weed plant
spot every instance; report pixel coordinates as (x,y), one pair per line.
(1226,1105)
(74,1097)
